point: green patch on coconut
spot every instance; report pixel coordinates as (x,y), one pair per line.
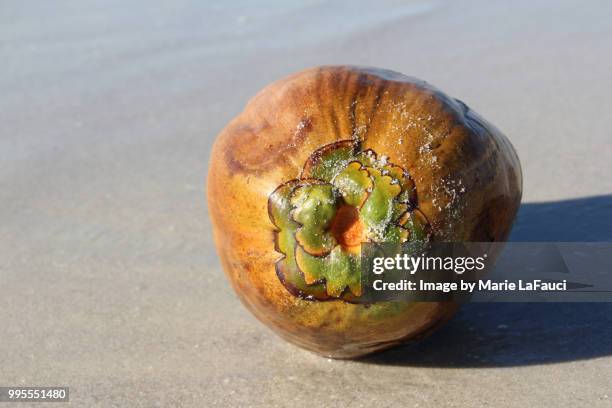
(343,198)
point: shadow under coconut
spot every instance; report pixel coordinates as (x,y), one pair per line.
(514,334)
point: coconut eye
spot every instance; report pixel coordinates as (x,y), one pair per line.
(343,198)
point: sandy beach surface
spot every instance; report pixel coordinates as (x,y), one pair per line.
(109,281)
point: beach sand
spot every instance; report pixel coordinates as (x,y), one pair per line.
(108,275)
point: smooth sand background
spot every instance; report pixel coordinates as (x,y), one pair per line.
(109,282)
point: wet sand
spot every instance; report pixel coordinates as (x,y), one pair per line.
(108,276)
